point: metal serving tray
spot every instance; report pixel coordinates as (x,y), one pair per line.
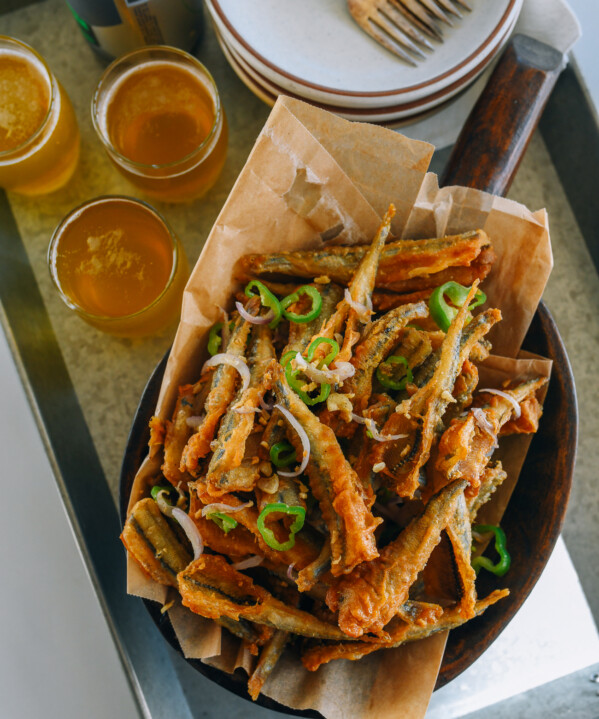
(64,364)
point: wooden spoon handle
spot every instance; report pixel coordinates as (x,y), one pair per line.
(497,132)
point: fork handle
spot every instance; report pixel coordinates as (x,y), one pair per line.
(497,132)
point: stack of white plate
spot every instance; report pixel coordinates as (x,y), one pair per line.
(313,50)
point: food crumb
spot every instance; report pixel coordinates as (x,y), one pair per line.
(378,467)
(166,607)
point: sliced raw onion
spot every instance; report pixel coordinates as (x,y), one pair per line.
(190,530)
(195,421)
(505,395)
(163,505)
(233,361)
(374,431)
(248,563)
(303,437)
(482,421)
(341,371)
(221,507)
(265,405)
(290,572)
(254,319)
(364,312)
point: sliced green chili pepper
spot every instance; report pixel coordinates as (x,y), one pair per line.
(268,534)
(297,385)
(288,457)
(214,339)
(389,382)
(332,354)
(505,560)
(225,522)
(267,298)
(287,357)
(155,491)
(442,312)
(313,294)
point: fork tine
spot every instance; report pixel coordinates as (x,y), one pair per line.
(465,5)
(433,8)
(405,25)
(396,33)
(420,18)
(383,39)
(450,7)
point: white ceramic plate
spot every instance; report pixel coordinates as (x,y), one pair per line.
(268,91)
(314,49)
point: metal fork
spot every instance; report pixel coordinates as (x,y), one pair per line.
(405,27)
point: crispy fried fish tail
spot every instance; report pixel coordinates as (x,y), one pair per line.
(269,657)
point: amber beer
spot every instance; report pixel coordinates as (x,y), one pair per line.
(118,265)
(39,137)
(158,113)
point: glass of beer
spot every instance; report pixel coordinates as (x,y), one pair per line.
(119,266)
(158,113)
(39,137)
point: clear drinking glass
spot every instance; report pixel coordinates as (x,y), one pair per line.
(39,137)
(159,116)
(119,266)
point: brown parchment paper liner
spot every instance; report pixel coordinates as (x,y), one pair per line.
(313,178)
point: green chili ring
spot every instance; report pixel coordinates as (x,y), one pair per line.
(297,386)
(289,454)
(268,534)
(225,522)
(505,560)
(443,313)
(314,312)
(387,381)
(157,488)
(332,354)
(267,298)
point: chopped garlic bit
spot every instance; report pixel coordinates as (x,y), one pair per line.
(322,280)
(378,467)
(447,396)
(340,403)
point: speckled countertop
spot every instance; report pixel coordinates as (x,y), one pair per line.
(109,374)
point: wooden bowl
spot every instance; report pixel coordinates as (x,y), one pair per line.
(532,521)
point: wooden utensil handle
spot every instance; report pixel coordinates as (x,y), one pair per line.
(493,140)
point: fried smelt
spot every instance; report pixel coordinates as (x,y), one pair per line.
(189,407)
(210,587)
(269,656)
(383,335)
(493,477)
(238,422)
(468,442)
(375,591)
(460,535)
(334,484)
(420,415)
(399,634)
(153,544)
(222,391)
(400,260)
